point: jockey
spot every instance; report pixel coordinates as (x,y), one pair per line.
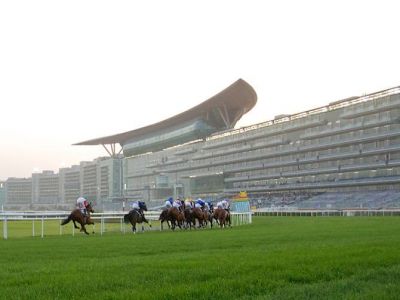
(219,204)
(168,203)
(137,205)
(225,204)
(210,206)
(81,204)
(177,203)
(188,204)
(199,203)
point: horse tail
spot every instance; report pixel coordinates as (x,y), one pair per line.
(126,218)
(66,220)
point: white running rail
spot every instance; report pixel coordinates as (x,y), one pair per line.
(100,218)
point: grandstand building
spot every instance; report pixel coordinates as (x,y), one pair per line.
(346,147)
(342,155)
(45,190)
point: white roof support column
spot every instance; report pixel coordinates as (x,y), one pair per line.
(111,151)
(224,116)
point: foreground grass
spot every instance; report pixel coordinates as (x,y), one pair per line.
(275,258)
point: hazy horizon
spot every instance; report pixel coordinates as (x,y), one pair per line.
(74,71)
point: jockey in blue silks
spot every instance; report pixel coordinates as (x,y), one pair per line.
(169,202)
(199,203)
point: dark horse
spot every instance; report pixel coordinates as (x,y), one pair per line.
(77,216)
(190,220)
(208,216)
(164,218)
(137,216)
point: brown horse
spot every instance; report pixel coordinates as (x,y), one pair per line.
(137,216)
(198,214)
(222,216)
(177,217)
(164,218)
(77,216)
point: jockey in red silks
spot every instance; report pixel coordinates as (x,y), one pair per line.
(81,204)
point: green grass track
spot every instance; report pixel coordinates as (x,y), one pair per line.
(274,258)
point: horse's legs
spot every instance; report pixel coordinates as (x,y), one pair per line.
(173,224)
(180,224)
(146,221)
(84,229)
(90,222)
(221,224)
(200,223)
(75,225)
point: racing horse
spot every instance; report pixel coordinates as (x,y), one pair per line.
(136,216)
(77,216)
(222,216)
(164,218)
(190,221)
(198,213)
(208,216)
(177,217)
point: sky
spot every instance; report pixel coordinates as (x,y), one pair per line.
(77,70)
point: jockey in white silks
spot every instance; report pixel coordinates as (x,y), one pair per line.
(225,204)
(219,204)
(177,203)
(135,205)
(81,204)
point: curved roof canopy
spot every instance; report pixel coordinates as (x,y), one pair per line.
(221,111)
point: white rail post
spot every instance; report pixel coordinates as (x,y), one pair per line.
(33,227)
(42,226)
(5,230)
(60,228)
(73,229)
(101,225)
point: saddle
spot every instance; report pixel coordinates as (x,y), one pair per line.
(140,212)
(85,216)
